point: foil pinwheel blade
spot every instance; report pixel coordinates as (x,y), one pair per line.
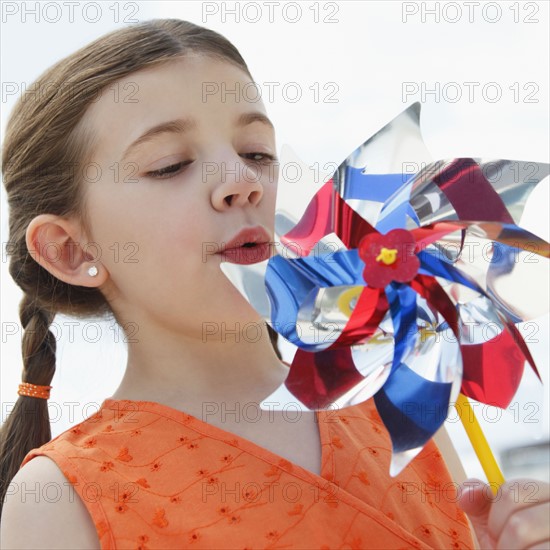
(389,283)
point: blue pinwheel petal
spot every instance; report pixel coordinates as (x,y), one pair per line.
(412,407)
(291,283)
(402,302)
(371,187)
(437,266)
(394,212)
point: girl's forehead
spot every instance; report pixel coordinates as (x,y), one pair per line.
(209,91)
(195,80)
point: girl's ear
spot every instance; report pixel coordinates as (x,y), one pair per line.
(57,244)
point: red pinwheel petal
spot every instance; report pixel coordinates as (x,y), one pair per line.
(433,293)
(492,370)
(368,313)
(318,379)
(471,194)
(429,233)
(314,224)
(327,212)
(520,342)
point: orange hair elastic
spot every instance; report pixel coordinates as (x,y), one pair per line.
(34,390)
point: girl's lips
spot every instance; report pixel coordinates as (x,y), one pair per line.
(247,255)
(249,246)
(255,234)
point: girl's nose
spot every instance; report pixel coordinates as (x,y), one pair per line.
(237,184)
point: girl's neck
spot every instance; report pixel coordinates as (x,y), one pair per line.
(187,374)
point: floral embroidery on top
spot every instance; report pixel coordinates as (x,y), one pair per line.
(73,479)
(251,494)
(425,530)
(233,519)
(101,528)
(401,486)
(273,471)
(90,442)
(297,510)
(106,466)
(272,535)
(357,544)
(124,455)
(159,519)
(285,464)
(194,537)
(95,417)
(363,477)
(142,539)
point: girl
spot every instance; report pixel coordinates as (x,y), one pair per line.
(181,455)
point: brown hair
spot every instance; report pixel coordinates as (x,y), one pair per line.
(44,148)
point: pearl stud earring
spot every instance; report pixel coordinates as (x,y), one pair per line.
(92,271)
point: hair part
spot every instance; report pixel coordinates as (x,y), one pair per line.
(46,149)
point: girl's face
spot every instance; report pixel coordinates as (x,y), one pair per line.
(161,207)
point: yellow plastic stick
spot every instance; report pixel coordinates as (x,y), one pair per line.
(479,443)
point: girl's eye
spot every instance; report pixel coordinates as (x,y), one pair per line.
(266,157)
(169,171)
(174,169)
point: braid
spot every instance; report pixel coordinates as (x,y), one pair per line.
(28,425)
(39,345)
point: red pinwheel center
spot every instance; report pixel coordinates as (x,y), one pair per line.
(389,257)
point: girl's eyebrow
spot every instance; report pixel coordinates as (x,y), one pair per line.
(182,125)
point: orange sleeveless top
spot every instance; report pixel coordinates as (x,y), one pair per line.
(154,477)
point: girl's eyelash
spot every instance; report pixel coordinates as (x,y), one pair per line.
(271,158)
(168,171)
(174,169)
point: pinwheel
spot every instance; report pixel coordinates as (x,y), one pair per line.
(401,282)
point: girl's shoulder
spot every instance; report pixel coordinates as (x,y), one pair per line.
(40,496)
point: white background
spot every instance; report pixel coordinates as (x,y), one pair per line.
(368,50)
